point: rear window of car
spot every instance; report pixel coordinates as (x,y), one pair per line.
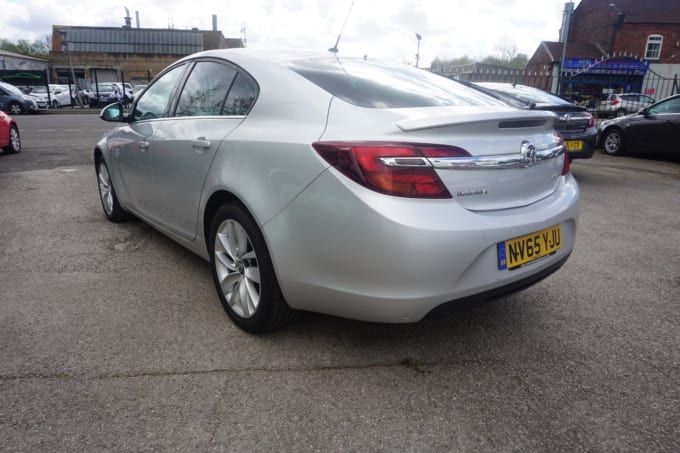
(103,87)
(384,85)
(526,95)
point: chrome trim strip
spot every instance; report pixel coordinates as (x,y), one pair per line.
(499,161)
(405,161)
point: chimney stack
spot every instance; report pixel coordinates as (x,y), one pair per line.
(128,19)
(214,22)
(137,18)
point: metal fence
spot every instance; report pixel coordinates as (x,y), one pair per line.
(584,89)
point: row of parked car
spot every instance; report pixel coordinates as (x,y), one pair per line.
(639,124)
(37,98)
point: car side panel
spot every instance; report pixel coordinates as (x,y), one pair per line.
(182,150)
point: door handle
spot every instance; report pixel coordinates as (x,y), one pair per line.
(200,144)
(143,146)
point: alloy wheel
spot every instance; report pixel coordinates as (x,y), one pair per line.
(613,142)
(237,268)
(14,139)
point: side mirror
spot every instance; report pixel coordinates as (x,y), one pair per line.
(113,113)
(645,112)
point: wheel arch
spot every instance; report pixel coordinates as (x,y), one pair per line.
(217,199)
(98,155)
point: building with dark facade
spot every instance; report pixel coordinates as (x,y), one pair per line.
(130,54)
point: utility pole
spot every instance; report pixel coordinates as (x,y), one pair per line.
(418,37)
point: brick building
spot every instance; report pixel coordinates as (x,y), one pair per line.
(614,46)
(109,54)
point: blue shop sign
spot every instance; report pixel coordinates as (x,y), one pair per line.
(611,66)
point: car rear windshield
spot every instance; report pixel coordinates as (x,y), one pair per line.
(524,94)
(384,85)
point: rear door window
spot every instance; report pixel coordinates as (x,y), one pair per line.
(206,89)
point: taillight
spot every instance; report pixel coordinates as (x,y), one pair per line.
(399,169)
(567,159)
(615,101)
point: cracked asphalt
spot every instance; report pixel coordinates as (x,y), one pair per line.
(113,339)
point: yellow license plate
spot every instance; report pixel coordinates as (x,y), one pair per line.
(520,251)
(574,145)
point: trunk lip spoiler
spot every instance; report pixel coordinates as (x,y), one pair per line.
(415,124)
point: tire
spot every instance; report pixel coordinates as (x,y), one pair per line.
(243,273)
(15,109)
(14,140)
(620,113)
(55,104)
(612,142)
(107,195)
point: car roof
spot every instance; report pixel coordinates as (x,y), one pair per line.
(280,57)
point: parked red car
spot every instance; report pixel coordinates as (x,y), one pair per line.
(10,141)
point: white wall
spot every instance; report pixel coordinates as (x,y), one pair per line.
(660,78)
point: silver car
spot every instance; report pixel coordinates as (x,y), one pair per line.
(623,104)
(351,187)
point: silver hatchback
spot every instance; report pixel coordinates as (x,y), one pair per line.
(623,104)
(351,187)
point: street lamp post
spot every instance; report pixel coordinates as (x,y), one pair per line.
(418,37)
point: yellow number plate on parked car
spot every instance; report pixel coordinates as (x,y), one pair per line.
(518,252)
(574,145)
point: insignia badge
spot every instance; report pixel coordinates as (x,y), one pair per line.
(528,152)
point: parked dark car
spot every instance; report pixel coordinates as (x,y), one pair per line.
(652,129)
(15,101)
(103,94)
(576,125)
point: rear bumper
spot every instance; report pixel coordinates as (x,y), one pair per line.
(500,292)
(587,137)
(350,252)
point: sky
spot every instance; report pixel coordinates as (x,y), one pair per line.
(384,29)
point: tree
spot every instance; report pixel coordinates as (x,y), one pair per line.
(38,48)
(437,63)
(506,56)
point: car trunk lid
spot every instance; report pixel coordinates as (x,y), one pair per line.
(515,157)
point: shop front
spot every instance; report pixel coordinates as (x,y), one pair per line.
(588,81)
